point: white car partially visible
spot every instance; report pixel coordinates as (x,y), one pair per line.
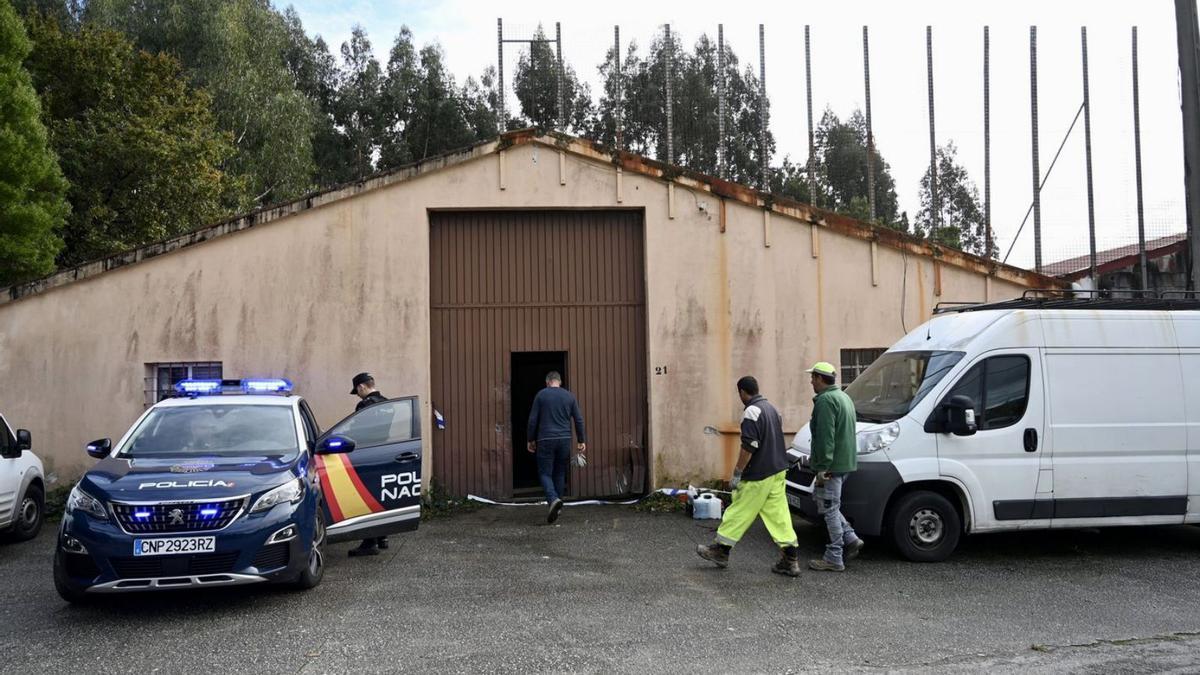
(22,485)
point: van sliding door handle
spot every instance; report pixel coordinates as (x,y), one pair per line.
(408,456)
(1031,440)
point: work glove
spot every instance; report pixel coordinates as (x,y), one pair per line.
(736,480)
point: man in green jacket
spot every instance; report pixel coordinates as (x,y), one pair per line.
(834,457)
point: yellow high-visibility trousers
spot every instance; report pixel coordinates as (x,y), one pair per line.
(766,499)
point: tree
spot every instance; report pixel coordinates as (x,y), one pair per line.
(139,147)
(32,188)
(358,111)
(316,73)
(237,51)
(841,164)
(536,85)
(960,221)
(694,107)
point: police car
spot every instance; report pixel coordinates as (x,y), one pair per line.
(22,485)
(231,482)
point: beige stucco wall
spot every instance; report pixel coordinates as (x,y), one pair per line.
(340,288)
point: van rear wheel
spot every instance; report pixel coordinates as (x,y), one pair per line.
(925,526)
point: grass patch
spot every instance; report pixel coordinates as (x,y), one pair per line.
(438,503)
(56,502)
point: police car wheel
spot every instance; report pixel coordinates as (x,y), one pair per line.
(65,590)
(27,521)
(925,526)
(312,573)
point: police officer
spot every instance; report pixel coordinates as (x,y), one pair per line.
(364,388)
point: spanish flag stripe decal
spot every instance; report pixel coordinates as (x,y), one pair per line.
(347,490)
(330,498)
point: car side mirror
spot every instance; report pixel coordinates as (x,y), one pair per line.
(960,416)
(335,445)
(99,449)
(24,440)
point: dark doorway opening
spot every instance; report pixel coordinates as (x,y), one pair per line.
(529,371)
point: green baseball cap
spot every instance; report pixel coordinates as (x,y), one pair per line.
(823,368)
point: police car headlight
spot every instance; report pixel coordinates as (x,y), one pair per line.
(289,492)
(877,439)
(82,501)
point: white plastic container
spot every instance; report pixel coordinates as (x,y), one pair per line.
(706,506)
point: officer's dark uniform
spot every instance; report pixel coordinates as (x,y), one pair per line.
(368,546)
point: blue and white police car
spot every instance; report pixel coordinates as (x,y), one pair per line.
(232,482)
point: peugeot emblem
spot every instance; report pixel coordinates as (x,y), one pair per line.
(176,516)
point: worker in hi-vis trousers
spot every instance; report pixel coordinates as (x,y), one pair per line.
(758,485)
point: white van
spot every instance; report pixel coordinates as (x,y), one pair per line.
(22,486)
(1026,414)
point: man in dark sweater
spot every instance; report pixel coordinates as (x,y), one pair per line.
(550,420)
(758,485)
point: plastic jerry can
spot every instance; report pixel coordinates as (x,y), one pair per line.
(706,506)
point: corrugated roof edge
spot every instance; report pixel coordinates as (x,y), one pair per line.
(587,149)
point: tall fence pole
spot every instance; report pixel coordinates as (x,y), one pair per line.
(934,206)
(669,56)
(1187,31)
(762,110)
(562,108)
(870,131)
(721,100)
(1037,174)
(1137,165)
(620,102)
(1087,153)
(812,149)
(987,144)
(502,123)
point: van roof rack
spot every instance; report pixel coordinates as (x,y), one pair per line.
(1036,298)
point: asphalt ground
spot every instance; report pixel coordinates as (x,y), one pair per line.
(609,589)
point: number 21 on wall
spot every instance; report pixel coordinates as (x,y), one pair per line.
(660,370)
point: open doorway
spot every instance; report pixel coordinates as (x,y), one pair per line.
(529,371)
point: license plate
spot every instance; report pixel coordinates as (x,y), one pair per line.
(174,545)
(795,500)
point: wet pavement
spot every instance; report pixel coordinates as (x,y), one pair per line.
(609,589)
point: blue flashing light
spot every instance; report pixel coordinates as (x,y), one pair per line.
(209,512)
(273,385)
(333,445)
(141,515)
(198,387)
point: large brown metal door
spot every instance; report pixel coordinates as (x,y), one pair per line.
(538,281)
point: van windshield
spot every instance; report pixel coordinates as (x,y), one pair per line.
(214,430)
(896,382)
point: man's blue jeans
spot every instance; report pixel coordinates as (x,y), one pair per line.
(553,457)
(829,506)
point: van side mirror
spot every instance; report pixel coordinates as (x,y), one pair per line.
(99,449)
(953,416)
(960,416)
(335,445)
(24,440)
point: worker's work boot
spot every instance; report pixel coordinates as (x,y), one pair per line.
(789,562)
(823,565)
(853,550)
(717,554)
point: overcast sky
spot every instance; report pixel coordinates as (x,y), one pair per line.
(467,32)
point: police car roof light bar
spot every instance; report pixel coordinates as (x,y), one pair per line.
(198,387)
(271,385)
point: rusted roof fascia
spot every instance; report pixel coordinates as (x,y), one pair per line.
(247,221)
(800,211)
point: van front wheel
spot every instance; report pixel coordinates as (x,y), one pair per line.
(925,526)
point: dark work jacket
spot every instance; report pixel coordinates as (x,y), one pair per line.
(371,399)
(762,437)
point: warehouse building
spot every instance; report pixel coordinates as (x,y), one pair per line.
(464,279)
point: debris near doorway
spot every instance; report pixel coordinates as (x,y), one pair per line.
(660,502)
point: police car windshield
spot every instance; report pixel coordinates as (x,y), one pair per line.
(221,430)
(896,382)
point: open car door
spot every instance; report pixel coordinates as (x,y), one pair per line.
(374,489)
